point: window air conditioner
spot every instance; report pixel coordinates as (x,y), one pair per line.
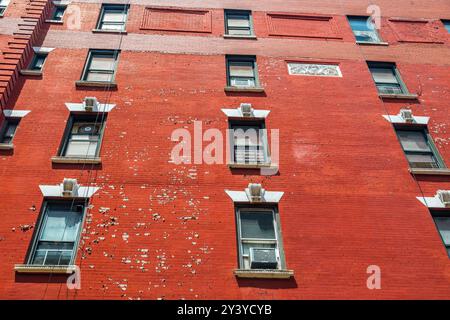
(263,258)
(407,115)
(70,187)
(246,109)
(90,103)
(444,196)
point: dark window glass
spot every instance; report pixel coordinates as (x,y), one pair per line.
(83,138)
(363,29)
(9,130)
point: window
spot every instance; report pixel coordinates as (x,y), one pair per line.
(56,239)
(242,72)
(387,78)
(58,13)
(38,62)
(259,244)
(3,5)
(238,23)
(83,136)
(363,29)
(113,17)
(8,130)
(100,66)
(446,24)
(419,148)
(249,142)
(442,221)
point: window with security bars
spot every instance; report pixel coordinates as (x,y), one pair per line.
(8,130)
(249,142)
(58,233)
(259,237)
(100,66)
(83,136)
(242,72)
(113,17)
(238,23)
(419,148)
(387,78)
(364,29)
(442,221)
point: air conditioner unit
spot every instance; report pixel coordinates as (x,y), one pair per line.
(255,192)
(246,109)
(90,103)
(407,115)
(263,258)
(70,187)
(444,196)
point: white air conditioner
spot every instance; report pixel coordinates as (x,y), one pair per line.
(255,192)
(70,187)
(246,109)
(90,103)
(444,196)
(407,115)
(263,258)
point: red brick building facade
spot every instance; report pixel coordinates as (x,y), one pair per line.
(346,196)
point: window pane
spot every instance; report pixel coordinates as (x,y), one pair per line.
(384,75)
(241,69)
(359,23)
(257,225)
(102,62)
(368,36)
(238,21)
(114,16)
(60,224)
(117,27)
(81,149)
(242,82)
(103,77)
(443,224)
(245,32)
(389,88)
(447,25)
(422,161)
(413,141)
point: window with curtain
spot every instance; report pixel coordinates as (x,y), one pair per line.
(249,143)
(83,136)
(8,130)
(100,66)
(242,72)
(419,148)
(259,232)
(387,78)
(442,221)
(238,22)
(57,238)
(363,29)
(113,17)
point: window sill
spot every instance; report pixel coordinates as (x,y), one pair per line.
(367,43)
(408,96)
(263,274)
(29,268)
(108,31)
(230,36)
(76,160)
(243,89)
(6,146)
(27,72)
(54,21)
(251,165)
(82,83)
(436,172)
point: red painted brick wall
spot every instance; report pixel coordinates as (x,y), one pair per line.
(170,231)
